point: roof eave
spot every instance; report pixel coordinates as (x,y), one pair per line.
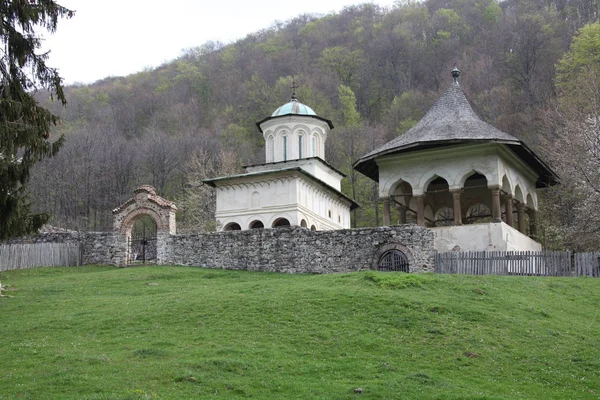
(262,121)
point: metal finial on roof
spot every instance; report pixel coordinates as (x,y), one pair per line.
(294,87)
(455,74)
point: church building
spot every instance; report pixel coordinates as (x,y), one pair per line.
(294,187)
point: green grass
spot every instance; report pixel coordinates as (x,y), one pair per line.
(105,333)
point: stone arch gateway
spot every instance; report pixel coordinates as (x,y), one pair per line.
(145,203)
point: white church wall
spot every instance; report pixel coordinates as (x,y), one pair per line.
(313,166)
(291,197)
(313,132)
(495,236)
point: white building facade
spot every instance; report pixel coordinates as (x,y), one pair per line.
(294,187)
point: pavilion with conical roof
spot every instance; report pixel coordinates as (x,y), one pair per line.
(453,172)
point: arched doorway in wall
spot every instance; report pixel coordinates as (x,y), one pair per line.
(232,226)
(393,257)
(142,240)
(281,222)
(393,261)
(145,220)
(256,225)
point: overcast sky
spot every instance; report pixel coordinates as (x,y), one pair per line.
(120,37)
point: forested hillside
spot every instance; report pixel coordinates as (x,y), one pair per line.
(372,71)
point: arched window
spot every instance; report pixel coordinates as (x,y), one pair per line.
(232,226)
(303,223)
(313,228)
(270,149)
(315,146)
(285,148)
(393,260)
(300,137)
(280,222)
(256,225)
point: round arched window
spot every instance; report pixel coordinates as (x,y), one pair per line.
(232,226)
(393,260)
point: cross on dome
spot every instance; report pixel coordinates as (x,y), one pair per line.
(294,87)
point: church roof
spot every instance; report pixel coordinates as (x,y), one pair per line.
(293,107)
(450,121)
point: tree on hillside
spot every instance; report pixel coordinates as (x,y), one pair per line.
(575,149)
(24,125)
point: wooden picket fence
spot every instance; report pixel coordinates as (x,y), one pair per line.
(21,256)
(531,263)
(587,264)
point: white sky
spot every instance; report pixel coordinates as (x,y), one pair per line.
(120,37)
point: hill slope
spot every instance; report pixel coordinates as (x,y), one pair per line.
(175,332)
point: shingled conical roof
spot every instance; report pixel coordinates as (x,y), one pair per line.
(450,121)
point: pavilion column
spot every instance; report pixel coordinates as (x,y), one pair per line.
(420,200)
(386,211)
(456,208)
(402,214)
(532,223)
(496,210)
(521,217)
(508,206)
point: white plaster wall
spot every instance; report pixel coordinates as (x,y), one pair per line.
(292,126)
(455,164)
(496,236)
(314,166)
(293,197)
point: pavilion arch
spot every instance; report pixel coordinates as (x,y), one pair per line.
(506,185)
(466,174)
(530,201)
(424,183)
(519,194)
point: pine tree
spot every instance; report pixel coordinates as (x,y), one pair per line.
(24,125)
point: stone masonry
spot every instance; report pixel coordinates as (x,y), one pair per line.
(287,250)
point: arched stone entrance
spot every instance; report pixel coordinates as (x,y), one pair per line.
(145,205)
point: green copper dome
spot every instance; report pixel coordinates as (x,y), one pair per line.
(293,107)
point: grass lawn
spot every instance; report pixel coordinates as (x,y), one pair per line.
(189,333)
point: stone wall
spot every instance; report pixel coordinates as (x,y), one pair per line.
(299,250)
(288,250)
